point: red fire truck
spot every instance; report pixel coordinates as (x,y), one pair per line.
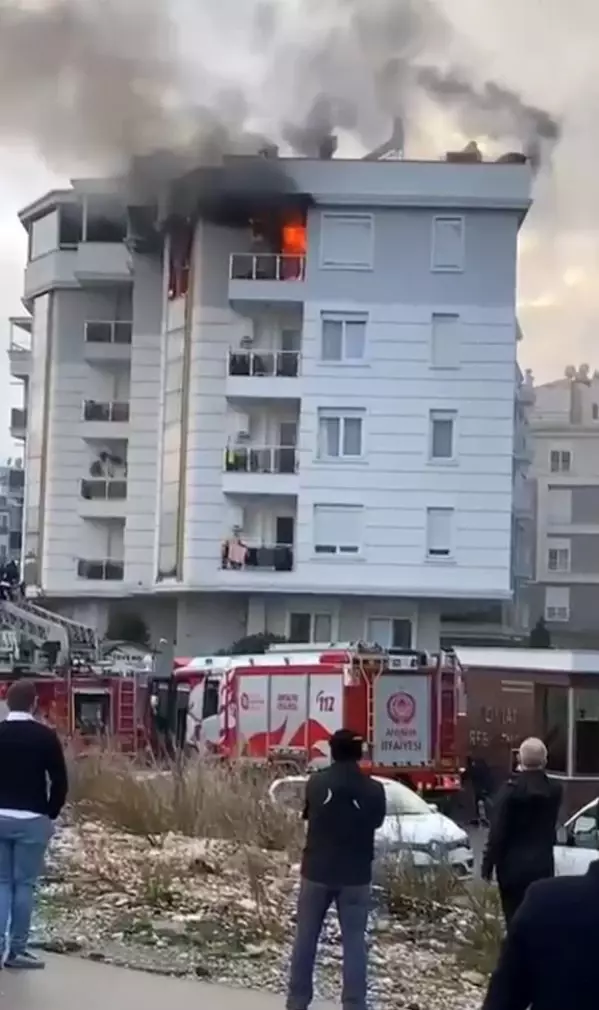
(284,706)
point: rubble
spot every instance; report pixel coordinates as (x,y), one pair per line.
(220,911)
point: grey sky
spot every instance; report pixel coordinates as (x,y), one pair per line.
(271,58)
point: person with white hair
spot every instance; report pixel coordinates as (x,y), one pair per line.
(523,822)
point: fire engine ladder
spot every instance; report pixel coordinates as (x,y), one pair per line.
(41,625)
(126,715)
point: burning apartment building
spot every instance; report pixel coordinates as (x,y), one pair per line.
(279,396)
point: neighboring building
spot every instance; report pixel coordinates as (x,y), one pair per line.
(286,404)
(565,427)
(12,488)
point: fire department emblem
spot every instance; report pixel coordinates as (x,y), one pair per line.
(244,701)
(401,708)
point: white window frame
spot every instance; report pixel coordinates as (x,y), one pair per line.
(410,618)
(561,453)
(313,615)
(442,415)
(451,365)
(562,556)
(342,415)
(557,613)
(343,318)
(327,215)
(438,556)
(338,550)
(458,268)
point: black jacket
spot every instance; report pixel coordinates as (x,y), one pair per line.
(343,810)
(522,834)
(549,959)
(33,774)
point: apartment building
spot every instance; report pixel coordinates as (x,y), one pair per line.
(287,401)
(12,488)
(565,430)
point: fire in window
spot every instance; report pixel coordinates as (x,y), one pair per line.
(180,262)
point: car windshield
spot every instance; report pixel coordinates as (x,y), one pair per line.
(401,800)
(290,793)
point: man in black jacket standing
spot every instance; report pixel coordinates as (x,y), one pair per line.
(33,791)
(343,809)
(523,822)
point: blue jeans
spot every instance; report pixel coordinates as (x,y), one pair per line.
(353,906)
(23,844)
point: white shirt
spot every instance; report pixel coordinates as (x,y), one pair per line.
(20,815)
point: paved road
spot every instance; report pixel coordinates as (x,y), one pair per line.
(70,983)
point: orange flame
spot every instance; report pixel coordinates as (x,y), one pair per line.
(293,238)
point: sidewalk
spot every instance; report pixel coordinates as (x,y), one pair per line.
(70,983)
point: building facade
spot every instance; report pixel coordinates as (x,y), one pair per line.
(565,429)
(12,489)
(290,405)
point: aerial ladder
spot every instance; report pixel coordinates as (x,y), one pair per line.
(31,621)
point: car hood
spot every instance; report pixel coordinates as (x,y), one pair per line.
(420,829)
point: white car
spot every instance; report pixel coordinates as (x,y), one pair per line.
(578,842)
(411,826)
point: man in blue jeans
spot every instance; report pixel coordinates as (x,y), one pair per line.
(343,809)
(33,790)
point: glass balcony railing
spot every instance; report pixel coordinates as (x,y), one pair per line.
(104,490)
(267,267)
(242,555)
(101,571)
(264,459)
(264,363)
(115,410)
(113,332)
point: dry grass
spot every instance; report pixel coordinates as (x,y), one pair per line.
(410,890)
(479,941)
(195,799)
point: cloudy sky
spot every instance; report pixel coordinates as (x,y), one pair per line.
(82,89)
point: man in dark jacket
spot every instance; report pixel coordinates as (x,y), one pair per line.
(343,809)
(549,959)
(33,790)
(523,821)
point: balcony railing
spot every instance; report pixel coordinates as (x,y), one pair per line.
(104,490)
(116,410)
(264,363)
(267,459)
(108,332)
(267,267)
(18,417)
(101,571)
(241,555)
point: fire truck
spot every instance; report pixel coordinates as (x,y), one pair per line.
(284,706)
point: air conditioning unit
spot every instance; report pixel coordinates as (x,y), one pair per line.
(242,437)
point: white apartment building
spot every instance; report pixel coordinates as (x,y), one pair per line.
(286,402)
(565,430)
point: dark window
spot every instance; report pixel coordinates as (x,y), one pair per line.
(586,731)
(299,627)
(70,230)
(551,704)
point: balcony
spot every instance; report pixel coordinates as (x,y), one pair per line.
(52,270)
(19,348)
(102,263)
(250,564)
(103,499)
(266,375)
(101,571)
(105,419)
(260,470)
(270,277)
(108,341)
(18,423)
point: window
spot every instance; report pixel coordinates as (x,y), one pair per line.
(310,628)
(586,731)
(558,556)
(439,523)
(445,341)
(346,241)
(442,425)
(389,632)
(43,235)
(339,434)
(338,529)
(557,603)
(343,338)
(448,243)
(560,461)
(595,411)
(559,505)
(583,831)
(551,704)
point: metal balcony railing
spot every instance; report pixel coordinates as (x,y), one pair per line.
(266,459)
(108,332)
(264,363)
(94,410)
(244,555)
(101,571)
(104,490)
(266,267)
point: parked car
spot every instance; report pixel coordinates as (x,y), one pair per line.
(412,826)
(578,841)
